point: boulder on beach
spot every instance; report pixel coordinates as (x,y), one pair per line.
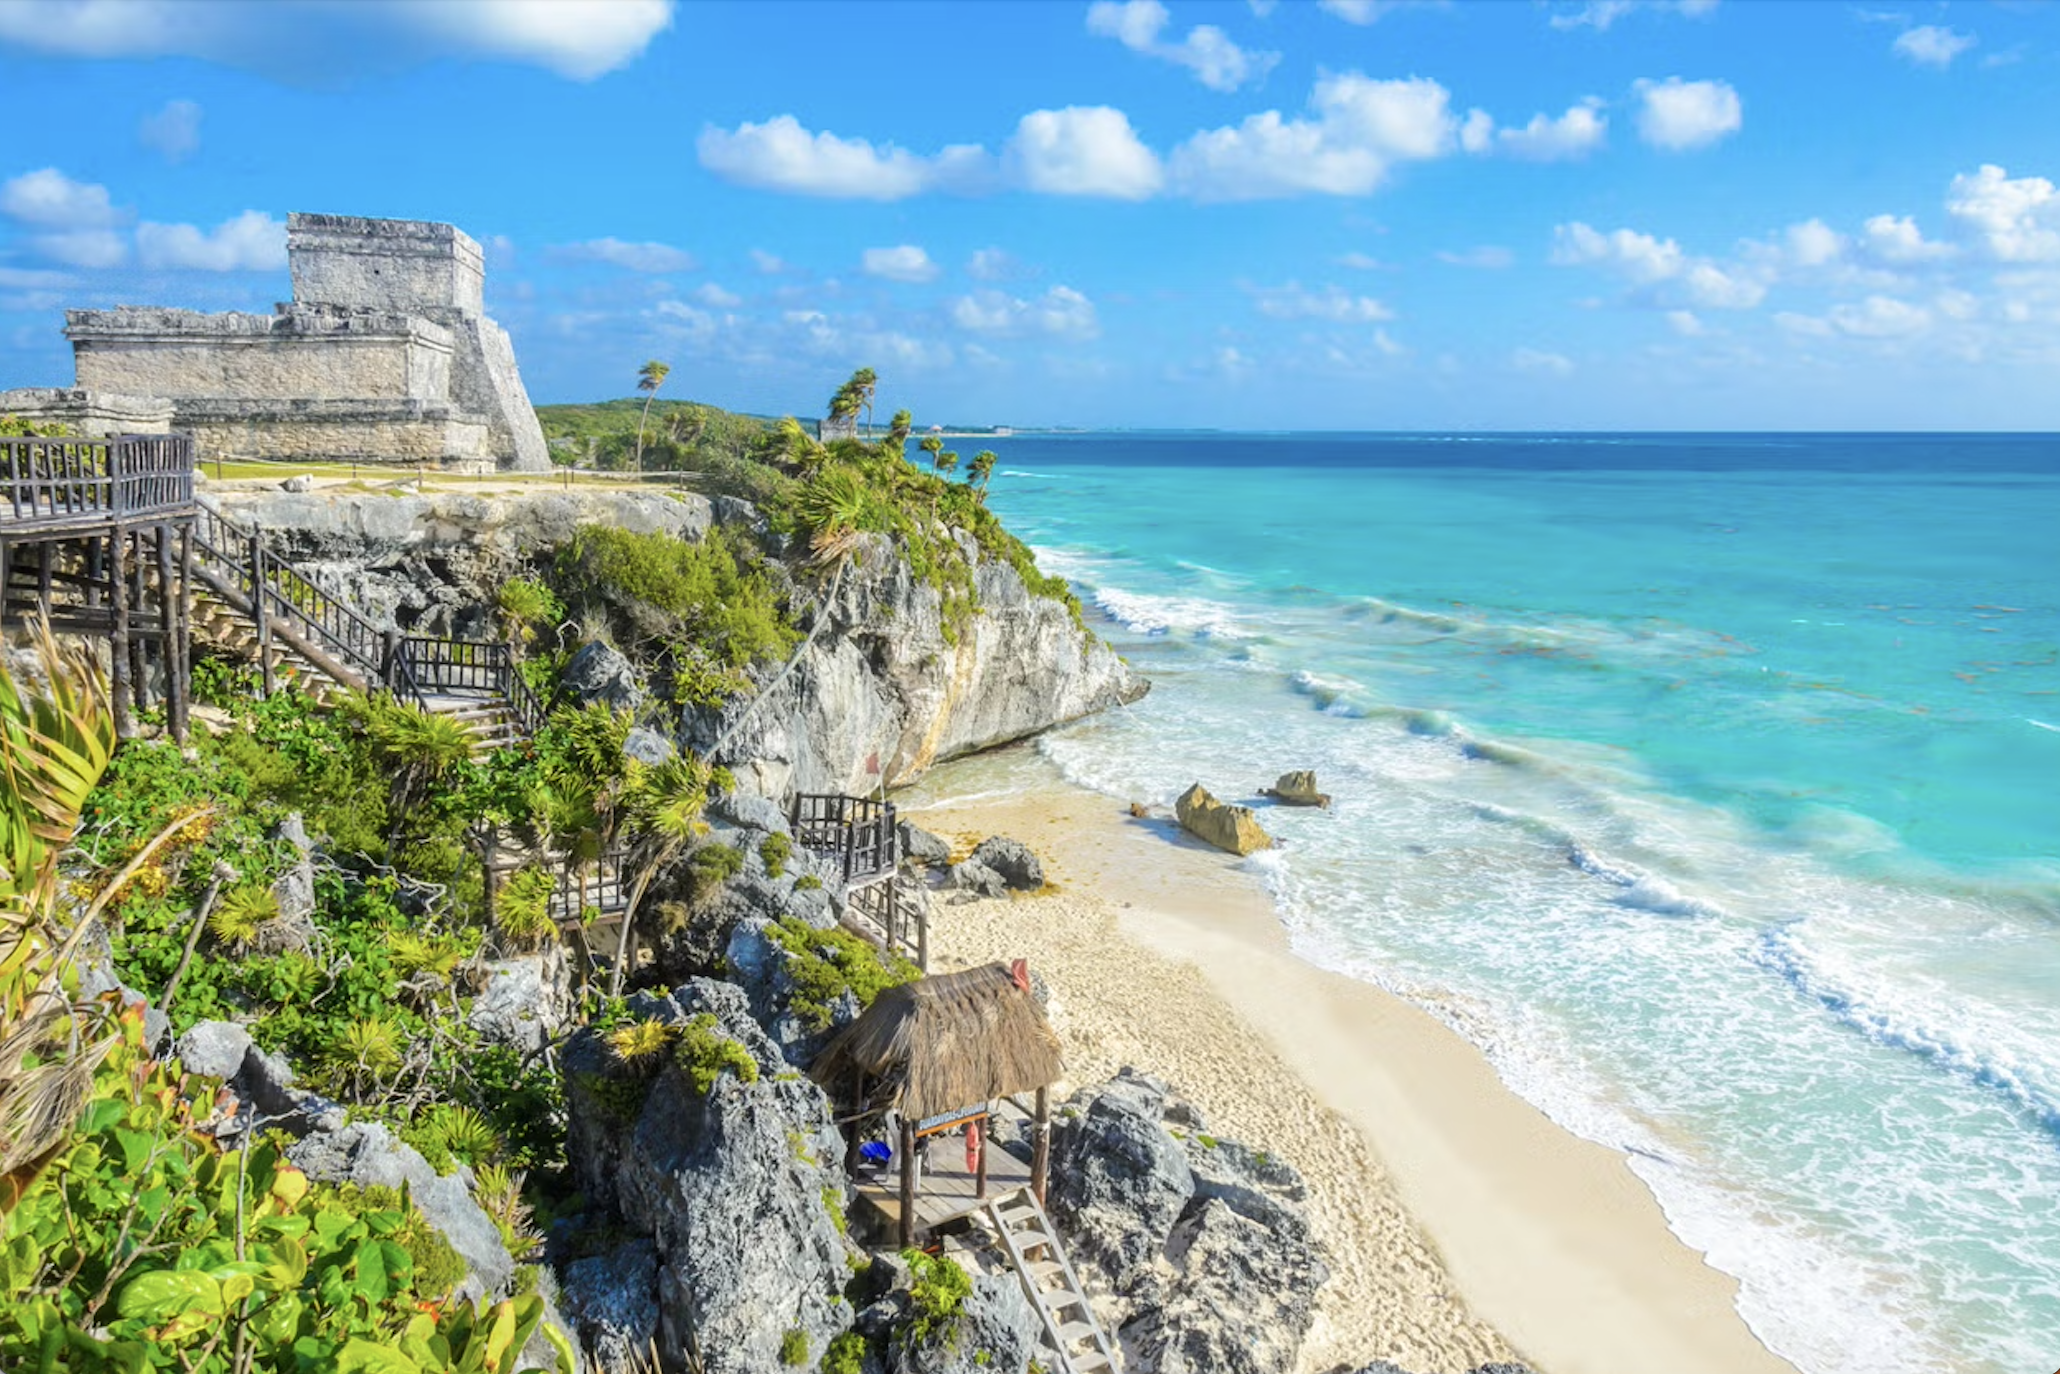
(1013,860)
(1296,789)
(1229,827)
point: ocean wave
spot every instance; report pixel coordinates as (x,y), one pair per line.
(1636,888)
(1333,694)
(1899,1017)
(1037,476)
(1146,614)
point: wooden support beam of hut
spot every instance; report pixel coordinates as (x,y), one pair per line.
(907,1236)
(118,600)
(1040,1146)
(182,636)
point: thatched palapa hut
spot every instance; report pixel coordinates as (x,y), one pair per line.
(940,1053)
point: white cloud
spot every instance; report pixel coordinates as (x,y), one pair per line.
(1083,150)
(1890,239)
(1599,15)
(1061,312)
(1881,317)
(76,222)
(1574,134)
(1217,61)
(173,131)
(996,264)
(48,199)
(905,262)
(715,298)
(769,263)
(1813,243)
(636,257)
(1361,128)
(1686,323)
(1486,256)
(1679,115)
(301,40)
(32,279)
(1360,262)
(1356,11)
(1541,362)
(2014,220)
(1929,45)
(1658,268)
(781,155)
(1296,302)
(251,242)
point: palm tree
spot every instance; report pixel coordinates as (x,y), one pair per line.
(944,462)
(981,471)
(650,377)
(898,430)
(55,741)
(664,803)
(863,384)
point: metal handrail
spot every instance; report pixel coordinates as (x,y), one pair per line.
(273,587)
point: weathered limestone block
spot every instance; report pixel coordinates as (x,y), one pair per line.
(1296,789)
(89,414)
(1229,827)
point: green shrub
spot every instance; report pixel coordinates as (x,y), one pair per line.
(702,1049)
(823,965)
(665,590)
(794,1348)
(844,1355)
(714,865)
(775,850)
(937,1296)
(522,908)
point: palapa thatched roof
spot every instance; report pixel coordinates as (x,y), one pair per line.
(940,1044)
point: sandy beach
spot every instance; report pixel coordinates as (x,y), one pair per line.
(1463,1226)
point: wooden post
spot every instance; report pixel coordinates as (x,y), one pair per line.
(168,630)
(908,1183)
(6,569)
(1040,1145)
(96,571)
(923,937)
(980,1151)
(260,614)
(118,597)
(182,636)
(45,552)
(139,640)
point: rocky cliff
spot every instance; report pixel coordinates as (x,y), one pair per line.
(883,687)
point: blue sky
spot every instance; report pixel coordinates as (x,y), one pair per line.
(1348,214)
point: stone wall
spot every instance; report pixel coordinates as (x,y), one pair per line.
(370,432)
(298,353)
(90,414)
(384,264)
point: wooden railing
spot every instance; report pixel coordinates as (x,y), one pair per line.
(857,831)
(83,481)
(272,591)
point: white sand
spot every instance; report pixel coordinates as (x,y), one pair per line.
(1451,1210)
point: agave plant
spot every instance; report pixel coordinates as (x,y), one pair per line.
(638,1043)
(833,507)
(239,913)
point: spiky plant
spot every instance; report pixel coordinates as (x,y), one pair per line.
(412,954)
(522,910)
(664,802)
(56,737)
(464,1133)
(239,913)
(833,508)
(499,1194)
(368,1047)
(640,1043)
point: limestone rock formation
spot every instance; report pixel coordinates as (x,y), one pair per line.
(526,1001)
(1229,827)
(1012,859)
(365,1153)
(970,875)
(923,847)
(997,1332)
(739,1188)
(882,682)
(599,672)
(1212,1263)
(611,1304)
(1296,789)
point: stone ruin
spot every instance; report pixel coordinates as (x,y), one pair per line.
(384,355)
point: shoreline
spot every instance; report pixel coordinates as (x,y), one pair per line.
(1465,1226)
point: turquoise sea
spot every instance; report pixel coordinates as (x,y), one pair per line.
(1711,784)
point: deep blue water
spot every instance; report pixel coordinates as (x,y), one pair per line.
(1708,782)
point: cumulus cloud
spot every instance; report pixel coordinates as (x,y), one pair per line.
(1208,52)
(769,263)
(315,40)
(636,257)
(1574,134)
(905,262)
(1898,240)
(1083,150)
(781,155)
(1686,323)
(1360,127)
(996,264)
(1061,312)
(1360,262)
(1680,115)
(1657,269)
(715,298)
(1296,302)
(71,222)
(2012,220)
(251,242)
(173,131)
(1599,15)
(1881,317)
(1930,45)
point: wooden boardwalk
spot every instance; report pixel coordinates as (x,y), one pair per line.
(946,1190)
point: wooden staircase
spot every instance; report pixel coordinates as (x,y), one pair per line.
(1072,1335)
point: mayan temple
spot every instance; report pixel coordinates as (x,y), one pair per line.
(384,355)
